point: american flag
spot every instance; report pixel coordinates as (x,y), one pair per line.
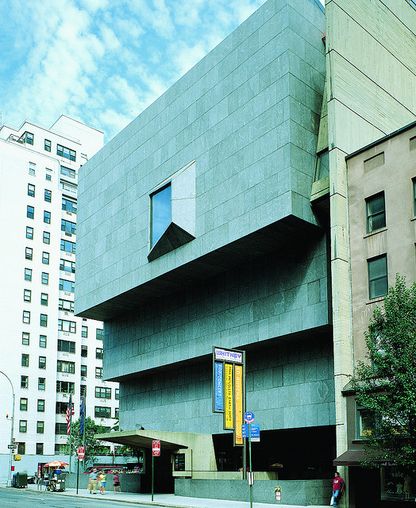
(69,412)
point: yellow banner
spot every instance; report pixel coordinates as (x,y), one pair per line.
(228,397)
(238,397)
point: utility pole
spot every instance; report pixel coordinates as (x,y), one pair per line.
(11,445)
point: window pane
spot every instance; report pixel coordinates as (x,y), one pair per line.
(377,276)
(161,212)
(376,214)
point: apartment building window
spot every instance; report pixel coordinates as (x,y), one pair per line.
(66,305)
(25,338)
(377,276)
(99,334)
(68,172)
(46,237)
(45,278)
(29,233)
(117,393)
(66,285)
(28,274)
(46,217)
(26,317)
(40,427)
(67,326)
(102,412)
(44,299)
(66,346)
(21,448)
(48,175)
(67,266)
(45,258)
(30,212)
(48,195)
(41,384)
(39,448)
(47,145)
(42,362)
(84,370)
(98,372)
(65,387)
(68,227)
(43,341)
(43,320)
(23,404)
(376,212)
(25,360)
(60,429)
(66,153)
(83,390)
(31,190)
(68,246)
(32,169)
(84,332)
(66,367)
(61,408)
(23,426)
(41,405)
(24,381)
(102,393)
(99,353)
(84,351)
(27,295)
(414,195)
(29,253)
(28,137)
(69,206)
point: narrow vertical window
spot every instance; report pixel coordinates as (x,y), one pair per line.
(376,212)
(377,276)
(161,212)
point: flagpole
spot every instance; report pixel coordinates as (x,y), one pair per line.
(69,413)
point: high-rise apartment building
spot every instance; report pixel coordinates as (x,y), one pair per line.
(48,353)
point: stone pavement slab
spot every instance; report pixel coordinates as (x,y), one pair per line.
(169,500)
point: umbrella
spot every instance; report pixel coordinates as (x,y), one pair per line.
(56,463)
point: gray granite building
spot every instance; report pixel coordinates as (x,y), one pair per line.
(196,229)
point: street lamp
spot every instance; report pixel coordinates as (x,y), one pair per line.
(11,445)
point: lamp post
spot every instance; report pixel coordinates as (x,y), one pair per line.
(9,475)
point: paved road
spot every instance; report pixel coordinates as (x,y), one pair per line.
(22,498)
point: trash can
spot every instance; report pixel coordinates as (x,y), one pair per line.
(19,480)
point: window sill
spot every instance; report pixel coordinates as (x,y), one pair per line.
(381,230)
(376,300)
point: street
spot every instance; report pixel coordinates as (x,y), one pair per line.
(10,498)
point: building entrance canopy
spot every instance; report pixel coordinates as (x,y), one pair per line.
(143,438)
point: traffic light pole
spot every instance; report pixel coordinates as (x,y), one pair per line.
(9,475)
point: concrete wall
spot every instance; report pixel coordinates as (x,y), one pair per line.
(302,493)
(247,114)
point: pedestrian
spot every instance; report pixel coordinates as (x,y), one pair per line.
(116,483)
(102,478)
(338,486)
(92,485)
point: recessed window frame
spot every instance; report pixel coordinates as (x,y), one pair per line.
(375,214)
(372,280)
(29,232)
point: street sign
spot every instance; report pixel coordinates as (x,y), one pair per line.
(81,452)
(11,447)
(156,448)
(254,431)
(249,417)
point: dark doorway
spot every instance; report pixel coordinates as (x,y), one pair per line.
(164,483)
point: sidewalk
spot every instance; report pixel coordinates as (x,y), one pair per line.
(167,500)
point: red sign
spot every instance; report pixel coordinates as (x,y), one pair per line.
(81,452)
(156,448)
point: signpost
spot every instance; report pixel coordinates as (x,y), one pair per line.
(249,419)
(81,456)
(155,453)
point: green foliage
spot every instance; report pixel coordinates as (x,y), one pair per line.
(385,385)
(93,447)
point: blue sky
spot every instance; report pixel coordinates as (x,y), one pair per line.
(102,61)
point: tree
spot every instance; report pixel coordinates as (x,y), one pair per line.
(93,447)
(385,384)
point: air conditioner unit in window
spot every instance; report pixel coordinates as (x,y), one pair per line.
(65,395)
(83,378)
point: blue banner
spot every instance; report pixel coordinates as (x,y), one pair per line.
(218,387)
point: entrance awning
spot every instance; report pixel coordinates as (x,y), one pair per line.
(144,438)
(349,458)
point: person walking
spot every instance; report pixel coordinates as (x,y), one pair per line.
(116,483)
(102,479)
(338,486)
(93,481)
